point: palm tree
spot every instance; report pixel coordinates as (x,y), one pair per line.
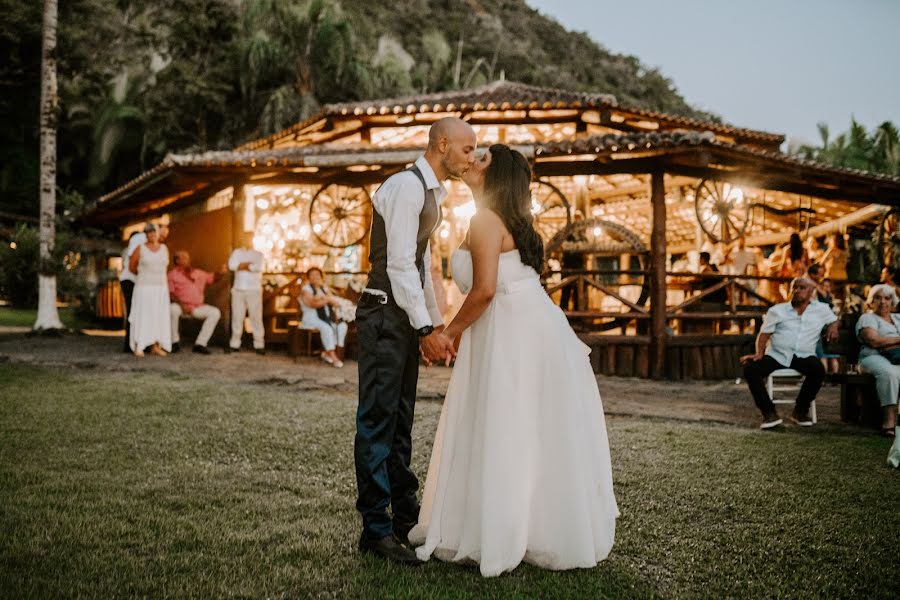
(291,56)
(47,316)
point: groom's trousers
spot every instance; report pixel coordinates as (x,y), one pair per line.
(388,373)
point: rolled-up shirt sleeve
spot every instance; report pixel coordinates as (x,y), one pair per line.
(770,320)
(233,262)
(399,202)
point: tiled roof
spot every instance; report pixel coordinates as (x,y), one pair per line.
(608,144)
(504,95)
(669,139)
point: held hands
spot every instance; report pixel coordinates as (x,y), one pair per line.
(437,347)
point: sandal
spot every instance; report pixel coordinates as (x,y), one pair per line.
(326,358)
(887,432)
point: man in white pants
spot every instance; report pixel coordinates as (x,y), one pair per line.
(246,295)
(186,287)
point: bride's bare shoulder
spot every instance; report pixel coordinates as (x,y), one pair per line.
(486,222)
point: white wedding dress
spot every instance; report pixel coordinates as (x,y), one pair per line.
(520,467)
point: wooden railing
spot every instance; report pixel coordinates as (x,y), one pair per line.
(744,301)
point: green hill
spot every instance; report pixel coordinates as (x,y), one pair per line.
(141,78)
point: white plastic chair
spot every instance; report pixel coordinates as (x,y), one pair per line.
(793,388)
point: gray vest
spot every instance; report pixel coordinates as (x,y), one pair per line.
(429,219)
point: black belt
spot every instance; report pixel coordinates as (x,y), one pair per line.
(368,297)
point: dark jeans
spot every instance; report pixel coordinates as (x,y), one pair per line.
(756,373)
(388,373)
(127,292)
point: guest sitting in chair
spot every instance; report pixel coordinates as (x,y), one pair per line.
(317,303)
(879,333)
(787,339)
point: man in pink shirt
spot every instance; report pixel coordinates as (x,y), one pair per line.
(186,285)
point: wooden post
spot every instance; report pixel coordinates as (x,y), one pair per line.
(238,200)
(658,276)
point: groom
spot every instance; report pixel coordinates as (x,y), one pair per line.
(396,317)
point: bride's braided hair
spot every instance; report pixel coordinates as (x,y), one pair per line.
(507,192)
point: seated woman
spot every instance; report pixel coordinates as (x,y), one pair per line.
(879,331)
(317,303)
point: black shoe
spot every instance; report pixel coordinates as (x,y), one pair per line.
(770,420)
(801,418)
(260,351)
(401,532)
(198,349)
(176,347)
(390,548)
(229,349)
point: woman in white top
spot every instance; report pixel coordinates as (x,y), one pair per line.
(878,331)
(317,303)
(149,318)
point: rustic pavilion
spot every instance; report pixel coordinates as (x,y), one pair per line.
(650,186)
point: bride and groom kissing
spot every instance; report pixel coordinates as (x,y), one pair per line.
(520,466)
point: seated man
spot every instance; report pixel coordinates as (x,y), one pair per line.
(186,286)
(787,339)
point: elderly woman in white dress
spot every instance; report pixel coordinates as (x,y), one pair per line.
(318,304)
(149,317)
(879,332)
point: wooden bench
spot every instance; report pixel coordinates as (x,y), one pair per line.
(859,399)
(303,341)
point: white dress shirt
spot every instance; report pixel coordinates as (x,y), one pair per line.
(793,334)
(136,240)
(399,201)
(246,280)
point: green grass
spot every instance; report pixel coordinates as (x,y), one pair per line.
(25,317)
(160,485)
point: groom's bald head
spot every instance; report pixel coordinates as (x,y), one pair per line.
(451,147)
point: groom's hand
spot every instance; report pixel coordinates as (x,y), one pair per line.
(437,347)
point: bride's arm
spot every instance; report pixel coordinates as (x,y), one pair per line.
(486,233)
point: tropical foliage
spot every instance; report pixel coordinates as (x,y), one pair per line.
(141,78)
(877,151)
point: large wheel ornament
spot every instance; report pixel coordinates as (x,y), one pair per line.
(550,208)
(722,211)
(605,238)
(340,215)
(887,238)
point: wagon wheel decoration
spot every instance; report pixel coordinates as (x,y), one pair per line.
(621,240)
(550,209)
(722,211)
(340,214)
(888,238)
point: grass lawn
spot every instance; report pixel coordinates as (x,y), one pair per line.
(25,317)
(157,485)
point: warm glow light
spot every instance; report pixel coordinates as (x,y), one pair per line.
(465,211)
(535,206)
(445,233)
(13,245)
(597,231)
(262,204)
(317,228)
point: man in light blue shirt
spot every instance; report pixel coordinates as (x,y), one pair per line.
(787,339)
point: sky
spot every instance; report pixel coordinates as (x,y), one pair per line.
(776,65)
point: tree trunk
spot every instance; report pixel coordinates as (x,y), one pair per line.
(48,317)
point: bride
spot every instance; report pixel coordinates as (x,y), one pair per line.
(520,468)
